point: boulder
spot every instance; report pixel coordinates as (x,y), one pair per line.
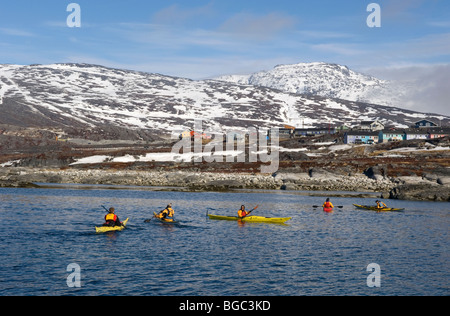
(321,174)
(421,192)
(290,187)
(291,177)
(443,180)
(377,172)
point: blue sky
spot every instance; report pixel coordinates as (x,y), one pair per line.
(200,39)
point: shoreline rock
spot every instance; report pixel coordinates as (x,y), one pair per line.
(421,192)
(426,188)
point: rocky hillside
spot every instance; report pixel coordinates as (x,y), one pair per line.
(88,100)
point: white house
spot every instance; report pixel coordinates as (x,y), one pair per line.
(371,125)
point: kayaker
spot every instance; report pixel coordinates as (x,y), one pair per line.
(168,212)
(380,204)
(328,206)
(111,219)
(242,212)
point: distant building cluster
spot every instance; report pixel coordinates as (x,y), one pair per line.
(371,132)
(366,132)
(375,132)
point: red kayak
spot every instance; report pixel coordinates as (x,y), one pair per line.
(328,209)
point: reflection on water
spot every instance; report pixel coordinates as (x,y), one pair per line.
(316,253)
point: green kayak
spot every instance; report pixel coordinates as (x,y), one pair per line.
(374,208)
(253,219)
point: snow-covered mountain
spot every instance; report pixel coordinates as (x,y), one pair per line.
(82,97)
(327,80)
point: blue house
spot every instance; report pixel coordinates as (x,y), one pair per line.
(391,135)
(425,124)
(361,137)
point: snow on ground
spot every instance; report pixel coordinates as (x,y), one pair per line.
(91,160)
(157,157)
(9,163)
(340,147)
(416,149)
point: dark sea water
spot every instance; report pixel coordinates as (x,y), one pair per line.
(43,231)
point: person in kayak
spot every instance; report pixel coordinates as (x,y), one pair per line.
(111,219)
(242,212)
(328,206)
(380,204)
(168,212)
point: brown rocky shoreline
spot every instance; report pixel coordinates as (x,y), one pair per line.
(408,170)
(405,188)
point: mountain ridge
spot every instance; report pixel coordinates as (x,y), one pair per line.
(327,80)
(83,96)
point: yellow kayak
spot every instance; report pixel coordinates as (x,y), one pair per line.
(374,208)
(105,229)
(164,220)
(254,219)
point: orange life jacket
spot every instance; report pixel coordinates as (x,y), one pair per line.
(242,213)
(168,212)
(328,205)
(111,217)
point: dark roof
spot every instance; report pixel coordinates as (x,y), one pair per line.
(439,130)
(425,121)
(362,133)
(416,131)
(393,131)
(370,122)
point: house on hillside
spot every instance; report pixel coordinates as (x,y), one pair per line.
(185,134)
(416,134)
(439,132)
(360,137)
(194,135)
(286,132)
(236,136)
(425,124)
(391,135)
(371,125)
(342,128)
(299,132)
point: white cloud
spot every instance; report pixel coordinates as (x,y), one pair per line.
(314,34)
(259,27)
(176,15)
(16,32)
(429,85)
(339,48)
